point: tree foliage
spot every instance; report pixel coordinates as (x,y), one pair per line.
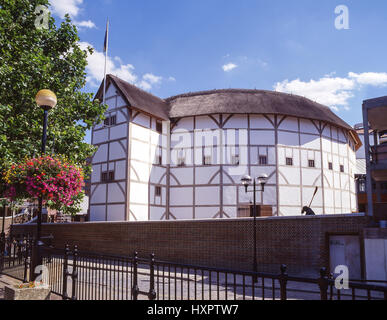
(34,58)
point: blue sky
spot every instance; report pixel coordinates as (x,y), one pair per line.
(175,46)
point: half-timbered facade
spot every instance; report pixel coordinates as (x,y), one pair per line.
(183,157)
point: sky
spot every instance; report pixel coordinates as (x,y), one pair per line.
(331,51)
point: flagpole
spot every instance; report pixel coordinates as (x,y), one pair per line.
(106,55)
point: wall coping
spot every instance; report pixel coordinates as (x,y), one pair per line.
(259,219)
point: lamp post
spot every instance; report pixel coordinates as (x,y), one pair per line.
(2,239)
(246,182)
(46,100)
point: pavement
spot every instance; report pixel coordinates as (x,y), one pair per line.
(111,282)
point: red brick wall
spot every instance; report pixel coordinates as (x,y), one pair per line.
(299,242)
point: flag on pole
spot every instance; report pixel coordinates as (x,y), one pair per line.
(105,50)
(105,44)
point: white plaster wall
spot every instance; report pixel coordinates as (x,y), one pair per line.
(205,122)
(182,213)
(230,195)
(207,195)
(116,212)
(205,213)
(156,213)
(100,136)
(138,193)
(184,176)
(120,173)
(115,194)
(204,174)
(139,211)
(261,122)
(98,193)
(97,213)
(119,132)
(182,196)
(142,120)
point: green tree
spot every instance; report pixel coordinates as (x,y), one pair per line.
(33,57)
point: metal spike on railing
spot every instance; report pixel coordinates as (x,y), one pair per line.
(323,283)
(135,288)
(152,292)
(65,272)
(74,275)
(283,280)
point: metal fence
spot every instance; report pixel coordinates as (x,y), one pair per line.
(78,275)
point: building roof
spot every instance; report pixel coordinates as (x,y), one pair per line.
(377,113)
(237,101)
(250,101)
(137,98)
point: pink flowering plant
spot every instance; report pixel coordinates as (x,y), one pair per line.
(54,178)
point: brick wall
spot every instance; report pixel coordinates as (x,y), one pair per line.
(299,242)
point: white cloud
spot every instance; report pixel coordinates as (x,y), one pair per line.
(370,78)
(96,64)
(85,24)
(229,66)
(61,7)
(332,91)
(152,78)
(73,8)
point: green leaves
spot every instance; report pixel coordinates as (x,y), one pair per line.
(32,59)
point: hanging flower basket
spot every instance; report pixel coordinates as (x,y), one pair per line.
(54,179)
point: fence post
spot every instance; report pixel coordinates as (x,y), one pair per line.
(27,256)
(283,280)
(74,275)
(65,272)
(135,285)
(152,292)
(2,251)
(323,283)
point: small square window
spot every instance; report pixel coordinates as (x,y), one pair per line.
(159,126)
(106,121)
(263,160)
(289,161)
(158,191)
(104,176)
(113,120)
(207,160)
(111,175)
(235,160)
(181,162)
(341,168)
(330,165)
(311,163)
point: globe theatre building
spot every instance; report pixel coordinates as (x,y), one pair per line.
(183,157)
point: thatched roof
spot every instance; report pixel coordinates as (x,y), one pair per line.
(249,102)
(137,98)
(237,101)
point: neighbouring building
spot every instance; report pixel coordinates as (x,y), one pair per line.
(183,157)
(361,173)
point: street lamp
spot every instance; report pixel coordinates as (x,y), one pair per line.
(46,100)
(246,182)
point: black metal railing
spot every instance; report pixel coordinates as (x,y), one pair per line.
(15,257)
(78,275)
